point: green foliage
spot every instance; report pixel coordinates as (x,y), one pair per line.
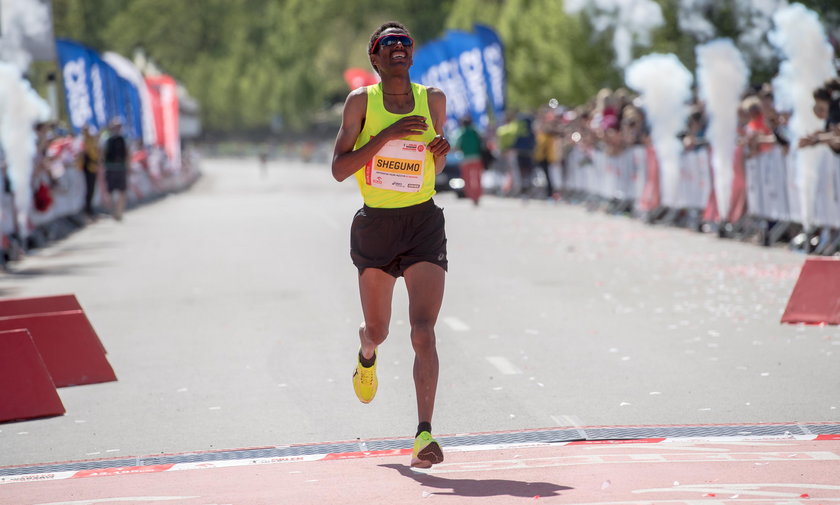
(249,61)
(550,55)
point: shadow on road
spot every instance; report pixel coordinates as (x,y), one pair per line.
(57,270)
(481,487)
(4,291)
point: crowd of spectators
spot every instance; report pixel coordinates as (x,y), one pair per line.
(74,178)
(94,153)
(614,121)
(827,109)
(527,147)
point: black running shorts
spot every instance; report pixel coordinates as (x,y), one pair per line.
(394,239)
(116,177)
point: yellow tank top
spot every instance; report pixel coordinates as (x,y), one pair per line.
(413,186)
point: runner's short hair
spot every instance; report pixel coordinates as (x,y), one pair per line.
(384,26)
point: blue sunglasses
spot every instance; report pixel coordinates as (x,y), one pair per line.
(390,40)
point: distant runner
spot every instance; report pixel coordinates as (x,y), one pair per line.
(390,140)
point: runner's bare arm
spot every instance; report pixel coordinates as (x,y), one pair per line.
(439,146)
(346,161)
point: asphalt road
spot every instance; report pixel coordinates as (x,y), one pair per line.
(230,315)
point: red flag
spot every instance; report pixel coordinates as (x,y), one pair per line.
(357,77)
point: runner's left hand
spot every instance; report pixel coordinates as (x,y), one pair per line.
(439,146)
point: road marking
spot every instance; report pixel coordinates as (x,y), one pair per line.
(503,365)
(677,501)
(567,420)
(124,498)
(456,324)
(573,421)
(804,429)
(641,458)
(745,489)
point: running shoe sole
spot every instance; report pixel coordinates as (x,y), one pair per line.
(430,455)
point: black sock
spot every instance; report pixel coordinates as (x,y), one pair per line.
(424,426)
(367,363)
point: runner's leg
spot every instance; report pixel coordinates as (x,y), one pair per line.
(376,289)
(425,284)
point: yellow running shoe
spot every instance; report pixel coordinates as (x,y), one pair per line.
(364,381)
(427,451)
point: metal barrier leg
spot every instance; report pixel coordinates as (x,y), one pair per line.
(670,216)
(834,247)
(828,243)
(763,230)
(725,229)
(776,232)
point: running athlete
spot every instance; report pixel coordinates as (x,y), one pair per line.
(390,140)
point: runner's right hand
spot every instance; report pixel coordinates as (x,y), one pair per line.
(404,127)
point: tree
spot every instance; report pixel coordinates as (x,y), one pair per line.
(250,61)
(247,61)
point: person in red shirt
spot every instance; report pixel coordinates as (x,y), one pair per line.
(759,135)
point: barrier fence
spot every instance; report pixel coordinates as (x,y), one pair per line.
(150,176)
(770,186)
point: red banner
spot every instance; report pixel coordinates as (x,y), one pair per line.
(164,95)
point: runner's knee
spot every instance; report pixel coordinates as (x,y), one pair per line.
(375,333)
(423,336)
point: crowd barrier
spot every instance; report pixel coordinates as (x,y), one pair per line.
(769,186)
(149,178)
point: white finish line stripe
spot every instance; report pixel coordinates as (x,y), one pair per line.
(504,365)
(132,499)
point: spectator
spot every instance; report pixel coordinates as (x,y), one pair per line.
(777,121)
(826,108)
(506,135)
(472,166)
(632,126)
(605,114)
(759,136)
(822,105)
(695,134)
(116,168)
(833,89)
(546,150)
(524,147)
(89,161)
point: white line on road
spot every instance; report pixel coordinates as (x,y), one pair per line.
(567,420)
(504,365)
(134,499)
(573,421)
(456,324)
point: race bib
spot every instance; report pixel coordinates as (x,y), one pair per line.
(398,166)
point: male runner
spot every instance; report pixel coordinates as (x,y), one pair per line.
(390,140)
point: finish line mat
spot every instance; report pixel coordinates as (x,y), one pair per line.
(604,435)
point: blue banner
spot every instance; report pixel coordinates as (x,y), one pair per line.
(493,54)
(94,93)
(470,69)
